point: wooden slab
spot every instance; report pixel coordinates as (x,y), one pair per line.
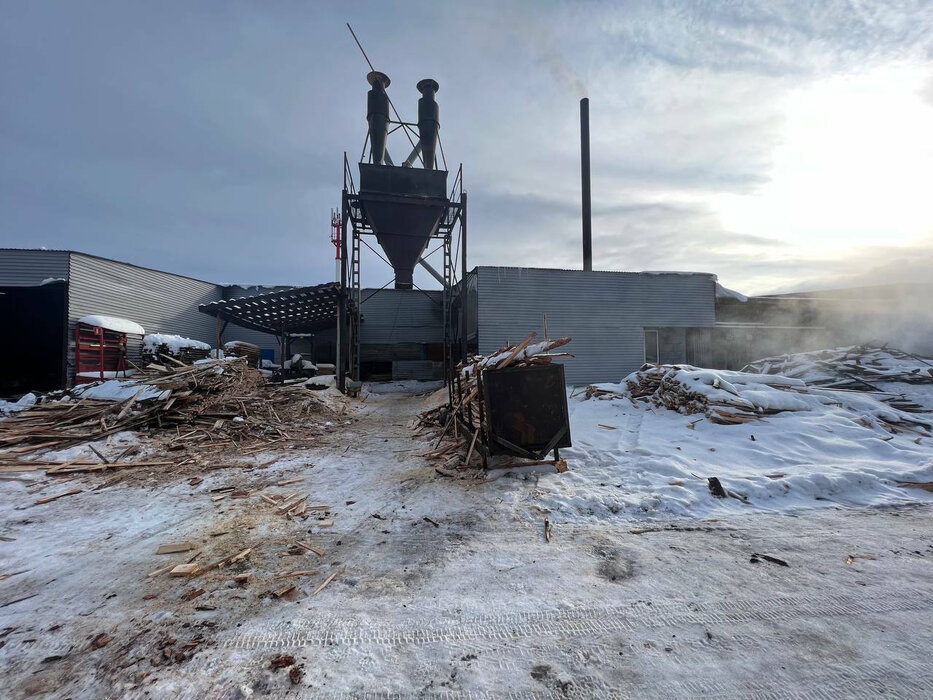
(173,547)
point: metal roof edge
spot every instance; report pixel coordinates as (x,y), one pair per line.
(709,275)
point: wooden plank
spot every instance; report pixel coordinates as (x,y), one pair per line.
(285,482)
(524,344)
(126,409)
(285,507)
(327,581)
(95,451)
(49,499)
(184,570)
(472,446)
(162,570)
(292,574)
(283,590)
(310,548)
(241,555)
(175,547)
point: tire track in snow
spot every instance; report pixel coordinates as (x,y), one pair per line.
(580,622)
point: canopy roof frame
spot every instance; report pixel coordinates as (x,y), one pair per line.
(292,311)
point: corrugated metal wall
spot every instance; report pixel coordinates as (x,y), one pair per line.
(159,301)
(401,316)
(604,312)
(27,268)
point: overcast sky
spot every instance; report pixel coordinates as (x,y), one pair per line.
(782,146)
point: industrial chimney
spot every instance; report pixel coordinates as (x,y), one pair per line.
(585,178)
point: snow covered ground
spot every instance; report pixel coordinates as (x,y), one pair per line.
(639,459)
(649,587)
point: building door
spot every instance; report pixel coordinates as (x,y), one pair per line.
(652,347)
(34,325)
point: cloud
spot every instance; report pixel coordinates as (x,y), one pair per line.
(210,141)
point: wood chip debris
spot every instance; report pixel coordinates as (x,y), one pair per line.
(192,594)
(101,640)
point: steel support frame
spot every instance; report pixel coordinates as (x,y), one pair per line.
(354,292)
(348,327)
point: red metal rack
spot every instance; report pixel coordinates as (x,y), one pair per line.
(98,350)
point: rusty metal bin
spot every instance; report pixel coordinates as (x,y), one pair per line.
(526,410)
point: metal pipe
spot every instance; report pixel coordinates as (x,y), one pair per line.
(585,178)
(377,114)
(464,296)
(434,273)
(415,152)
(428,121)
(342,298)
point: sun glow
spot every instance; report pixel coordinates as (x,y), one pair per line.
(854,167)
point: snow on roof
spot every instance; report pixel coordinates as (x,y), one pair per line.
(112,323)
(726,293)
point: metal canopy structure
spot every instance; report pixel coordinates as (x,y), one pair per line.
(291,312)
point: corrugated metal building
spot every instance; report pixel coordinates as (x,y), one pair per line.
(161,302)
(618,320)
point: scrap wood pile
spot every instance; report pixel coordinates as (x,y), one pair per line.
(858,367)
(210,406)
(729,398)
(441,423)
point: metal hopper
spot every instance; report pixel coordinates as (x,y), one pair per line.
(402,204)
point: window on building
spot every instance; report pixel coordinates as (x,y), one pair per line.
(652,347)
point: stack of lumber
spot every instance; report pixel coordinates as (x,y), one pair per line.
(213,405)
(239,348)
(859,367)
(160,346)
